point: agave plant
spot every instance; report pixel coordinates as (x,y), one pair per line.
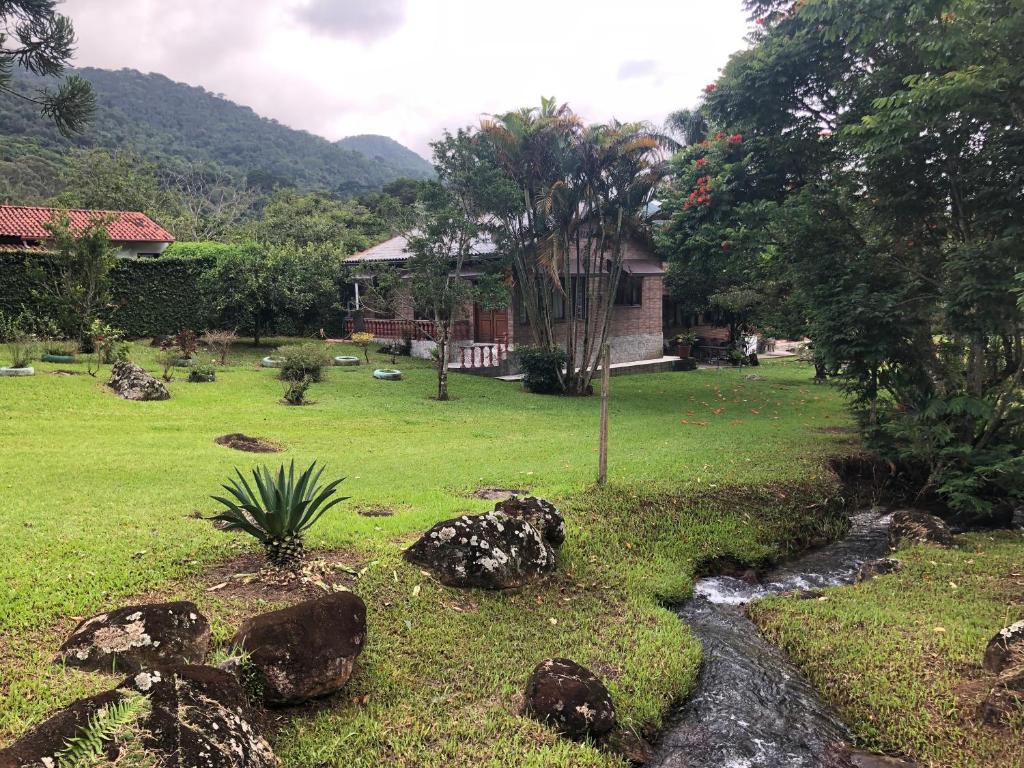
(280,511)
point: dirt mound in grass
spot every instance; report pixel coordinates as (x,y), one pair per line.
(241,442)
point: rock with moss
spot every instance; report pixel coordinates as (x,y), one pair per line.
(540,513)
(912,526)
(1006,649)
(139,637)
(1005,701)
(491,551)
(185,716)
(570,698)
(304,651)
(132,383)
(881,567)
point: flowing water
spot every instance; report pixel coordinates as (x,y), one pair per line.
(752,707)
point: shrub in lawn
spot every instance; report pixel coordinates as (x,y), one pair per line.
(22,348)
(220,342)
(541,367)
(363,340)
(187,343)
(304,361)
(167,356)
(60,347)
(202,373)
(109,343)
(280,510)
(295,392)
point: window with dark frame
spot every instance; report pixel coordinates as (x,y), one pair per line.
(630,292)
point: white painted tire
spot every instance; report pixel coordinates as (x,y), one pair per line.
(30,371)
(347,360)
(387,374)
(272,362)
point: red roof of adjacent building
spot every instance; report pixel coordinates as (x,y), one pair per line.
(29,223)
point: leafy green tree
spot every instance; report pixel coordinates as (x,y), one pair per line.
(316,219)
(37,39)
(76,278)
(878,176)
(112,181)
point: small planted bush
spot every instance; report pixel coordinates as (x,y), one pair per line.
(202,373)
(295,392)
(220,343)
(541,369)
(109,343)
(187,343)
(60,348)
(304,361)
(277,508)
(22,349)
(363,340)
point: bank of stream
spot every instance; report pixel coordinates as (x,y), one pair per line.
(752,708)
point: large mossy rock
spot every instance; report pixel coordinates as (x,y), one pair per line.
(875,568)
(540,513)
(911,526)
(1006,649)
(492,551)
(1005,701)
(570,698)
(139,637)
(304,651)
(195,716)
(132,383)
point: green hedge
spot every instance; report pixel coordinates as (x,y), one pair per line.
(155,297)
(150,297)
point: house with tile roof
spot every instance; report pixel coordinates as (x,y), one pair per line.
(483,336)
(23,228)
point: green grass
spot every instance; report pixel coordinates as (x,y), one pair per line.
(100,496)
(900,656)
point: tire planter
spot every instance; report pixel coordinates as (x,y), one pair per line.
(202,378)
(18,371)
(272,362)
(347,360)
(387,374)
(59,359)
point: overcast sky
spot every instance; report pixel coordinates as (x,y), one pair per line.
(411,68)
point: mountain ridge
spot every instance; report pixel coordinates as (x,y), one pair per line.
(172,123)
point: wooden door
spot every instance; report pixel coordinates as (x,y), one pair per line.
(491,325)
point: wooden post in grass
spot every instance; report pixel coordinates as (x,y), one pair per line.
(602,461)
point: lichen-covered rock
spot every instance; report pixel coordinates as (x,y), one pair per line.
(915,527)
(132,383)
(844,756)
(306,650)
(41,744)
(492,551)
(195,717)
(570,698)
(540,513)
(139,637)
(1006,649)
(199,718)
(881,567)
(1006,699)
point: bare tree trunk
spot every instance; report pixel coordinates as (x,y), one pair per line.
(442,364)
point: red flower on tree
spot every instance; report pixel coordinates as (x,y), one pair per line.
(736,138)
(710,88)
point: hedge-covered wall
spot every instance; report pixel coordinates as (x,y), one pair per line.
(150,296)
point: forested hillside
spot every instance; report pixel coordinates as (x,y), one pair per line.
(170,124)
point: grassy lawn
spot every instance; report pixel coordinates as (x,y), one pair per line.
(900,656)
(100,497)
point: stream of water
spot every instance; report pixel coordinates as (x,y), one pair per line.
(752,707)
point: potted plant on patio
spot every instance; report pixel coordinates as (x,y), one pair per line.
(684,343)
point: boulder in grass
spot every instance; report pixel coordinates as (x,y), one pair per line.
(132,383)
(881,567)
(540,513)
(200,717)
(188,716)
(41,745)
(491,551)
(1006,649)
(916,527)
(139,637)
(1006,699)
(570,698)
(304,651)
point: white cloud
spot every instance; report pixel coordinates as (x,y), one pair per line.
(410,68)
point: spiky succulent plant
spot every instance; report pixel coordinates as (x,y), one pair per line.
(281,509)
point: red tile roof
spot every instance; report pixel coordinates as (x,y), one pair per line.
(28,223)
